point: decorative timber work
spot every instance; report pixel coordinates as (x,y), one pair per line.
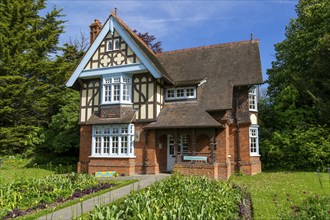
(89,99)
(147,96)
(113,51)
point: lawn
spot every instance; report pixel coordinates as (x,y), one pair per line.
(274,193)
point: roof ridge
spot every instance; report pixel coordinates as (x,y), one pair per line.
(207,46)
(132,32)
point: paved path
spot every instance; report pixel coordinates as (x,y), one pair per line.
(106,198)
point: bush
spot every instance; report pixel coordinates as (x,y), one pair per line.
(300,149)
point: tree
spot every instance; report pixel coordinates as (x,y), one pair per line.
(149,40)
(298,93)
(28,41)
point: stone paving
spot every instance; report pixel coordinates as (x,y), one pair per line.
(106,198)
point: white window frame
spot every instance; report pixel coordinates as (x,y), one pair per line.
(183,143)
(104,137)
(253,98)
(113,44)
(254,140)
(176,92)
(108,92)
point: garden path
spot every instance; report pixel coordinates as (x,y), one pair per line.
(104,199)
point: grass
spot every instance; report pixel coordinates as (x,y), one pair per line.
(275,192)
(12,168)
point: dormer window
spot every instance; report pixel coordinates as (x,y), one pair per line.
(253,99)
(113,45)
(180,93)
(116,90)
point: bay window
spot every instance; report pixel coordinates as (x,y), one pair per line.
(113,140)
(116,89)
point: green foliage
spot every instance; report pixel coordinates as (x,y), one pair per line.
(62,134)
(33,70)
(25,193)
(177,197)
(295,115)
(300,149)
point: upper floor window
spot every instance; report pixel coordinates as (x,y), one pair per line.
(113,140)
(113,45)
(253,99)
(180,93)
(116,89)
(254,141)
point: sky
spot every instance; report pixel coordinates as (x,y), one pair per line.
(187,23)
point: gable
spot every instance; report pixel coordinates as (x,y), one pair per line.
(97,61)
(106,56)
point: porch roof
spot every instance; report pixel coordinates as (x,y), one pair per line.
(183,115)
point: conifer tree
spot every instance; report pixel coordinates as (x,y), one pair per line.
(28,42)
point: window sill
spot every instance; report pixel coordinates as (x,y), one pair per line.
(255,155)
(114,157)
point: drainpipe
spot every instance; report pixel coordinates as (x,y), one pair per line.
(238,146)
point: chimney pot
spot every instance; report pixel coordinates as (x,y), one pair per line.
(95,29)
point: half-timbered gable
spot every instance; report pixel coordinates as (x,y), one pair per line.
(192,110)
(112,51)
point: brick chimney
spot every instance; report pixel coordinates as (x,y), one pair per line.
(95,27)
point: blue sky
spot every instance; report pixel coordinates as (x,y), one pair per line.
(184,24)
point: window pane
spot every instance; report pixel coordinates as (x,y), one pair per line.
(97,130)
(126,80)
(190,92)
(106,145)
(106,130)
(107,93)
(126,96)
(115,130)
(116,92)
(170,93)
(184,143)
(180,93)
(116,80)
(97,145)
(117,44)
(109,45)
(123,145)
(124,130)
(115,145)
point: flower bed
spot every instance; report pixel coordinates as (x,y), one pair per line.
(178,197)
(27,195)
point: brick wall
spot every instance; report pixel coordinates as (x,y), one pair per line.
(200,169)
(85,148)
(123,166)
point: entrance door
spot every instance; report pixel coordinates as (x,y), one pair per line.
(170,153)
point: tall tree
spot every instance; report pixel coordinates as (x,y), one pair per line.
(297,112)
(28,41)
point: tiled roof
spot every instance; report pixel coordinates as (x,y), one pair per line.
(144,47)
(183,115)
(124,119)
(222,65)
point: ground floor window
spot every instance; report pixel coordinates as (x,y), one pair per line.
(113,140)
(254,142)
(182,147)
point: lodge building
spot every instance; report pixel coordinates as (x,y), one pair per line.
(192,110)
